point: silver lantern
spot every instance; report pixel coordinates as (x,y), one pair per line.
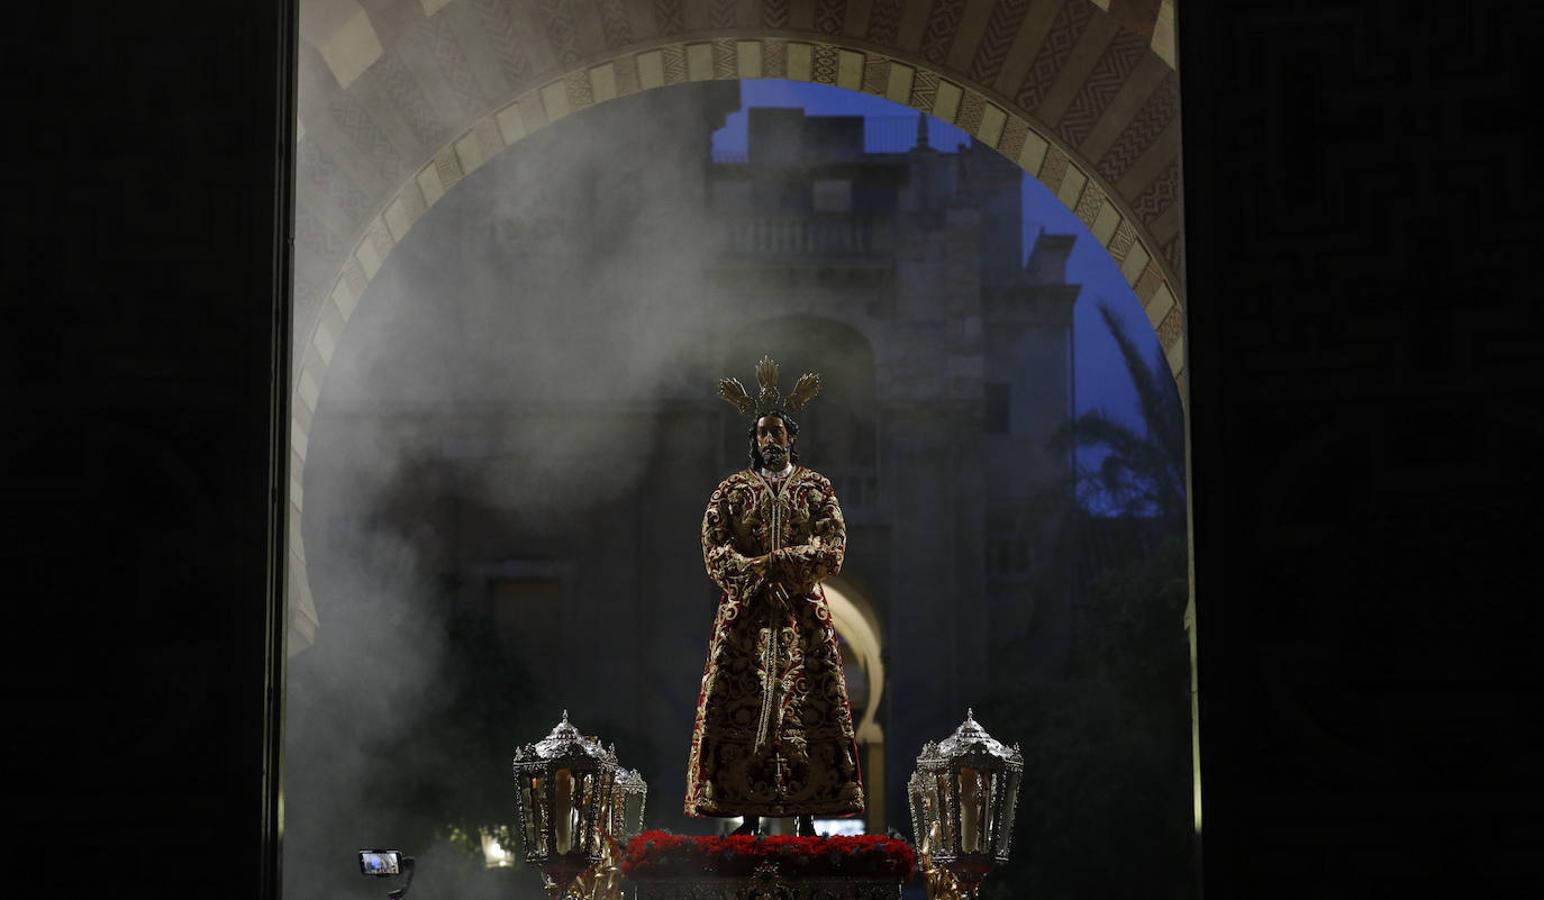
(627,805)
(963,797)
(564,795)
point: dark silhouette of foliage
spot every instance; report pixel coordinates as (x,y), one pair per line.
(1105,809)
(1142,472)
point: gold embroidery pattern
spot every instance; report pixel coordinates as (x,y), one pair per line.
(774,733)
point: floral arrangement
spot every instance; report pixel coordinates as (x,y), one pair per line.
(657,854)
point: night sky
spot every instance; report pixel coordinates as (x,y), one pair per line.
(1101,377)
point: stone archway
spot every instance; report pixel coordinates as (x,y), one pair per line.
(401,99)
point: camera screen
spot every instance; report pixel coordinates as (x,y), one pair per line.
(380,862)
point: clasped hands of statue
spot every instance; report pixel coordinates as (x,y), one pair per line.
(775,571)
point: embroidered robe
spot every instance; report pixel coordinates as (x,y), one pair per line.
(774,733)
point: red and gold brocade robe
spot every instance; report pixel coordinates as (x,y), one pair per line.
(774,734)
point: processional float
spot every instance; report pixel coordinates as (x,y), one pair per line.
(771,534)
(580,813)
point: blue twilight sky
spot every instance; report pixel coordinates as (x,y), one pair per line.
(1101,379)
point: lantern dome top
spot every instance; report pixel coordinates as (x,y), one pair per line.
(970,739)
(565,741)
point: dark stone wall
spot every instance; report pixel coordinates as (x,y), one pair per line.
(1363,231)
(146,210)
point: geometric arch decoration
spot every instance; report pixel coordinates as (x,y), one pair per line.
(395,114)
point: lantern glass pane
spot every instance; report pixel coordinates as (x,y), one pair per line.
(588,814)
(563,810)
(944,803)
(613,801)
(970,811)
(1010,801)
(600,818)
(921,814)
(534,819)
(633,823)
(607,798)
(988,811)
(984,803)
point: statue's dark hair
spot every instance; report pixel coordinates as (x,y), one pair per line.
(788,423)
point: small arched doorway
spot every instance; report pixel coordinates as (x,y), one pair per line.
(862,641)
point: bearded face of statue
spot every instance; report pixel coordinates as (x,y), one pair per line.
(774,442)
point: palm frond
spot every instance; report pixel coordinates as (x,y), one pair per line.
(1156,393)
(1142,470)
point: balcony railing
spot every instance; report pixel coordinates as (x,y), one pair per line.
(807,236)
(881,134)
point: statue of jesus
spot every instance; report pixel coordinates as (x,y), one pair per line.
(774,734)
